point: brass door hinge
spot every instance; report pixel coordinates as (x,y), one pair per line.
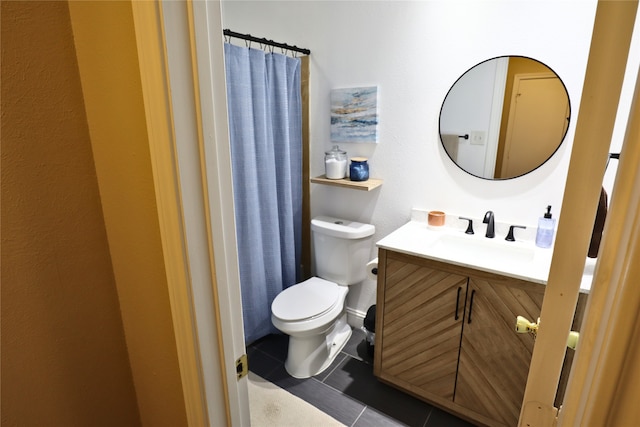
(242,367)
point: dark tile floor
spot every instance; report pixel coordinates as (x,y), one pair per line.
(347,390)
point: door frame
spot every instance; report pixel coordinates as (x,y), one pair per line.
(190,157)
(612,33)
(497,105)
(206,391)
(210,93)
(606,370)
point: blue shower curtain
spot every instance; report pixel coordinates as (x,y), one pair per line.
(265,122)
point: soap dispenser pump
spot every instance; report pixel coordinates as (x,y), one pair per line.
(546,228)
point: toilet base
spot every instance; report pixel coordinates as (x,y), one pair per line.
(311,355)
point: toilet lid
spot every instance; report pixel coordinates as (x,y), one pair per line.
(310,298)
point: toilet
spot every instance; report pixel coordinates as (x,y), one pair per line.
(313,312)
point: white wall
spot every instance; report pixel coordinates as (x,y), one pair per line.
(414,52)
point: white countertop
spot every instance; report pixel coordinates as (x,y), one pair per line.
(519,259)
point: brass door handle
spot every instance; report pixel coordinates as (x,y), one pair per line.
(523,326)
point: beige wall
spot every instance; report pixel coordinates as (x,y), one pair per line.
(110,75)
(64,358)
(87,337)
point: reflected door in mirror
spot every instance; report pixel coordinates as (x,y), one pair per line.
(538,119)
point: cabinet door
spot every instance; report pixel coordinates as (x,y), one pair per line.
(423,311)
(494,359)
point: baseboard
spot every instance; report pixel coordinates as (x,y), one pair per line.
(355,318)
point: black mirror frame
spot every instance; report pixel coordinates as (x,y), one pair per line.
(466,136)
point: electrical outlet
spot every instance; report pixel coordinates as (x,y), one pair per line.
(478,137)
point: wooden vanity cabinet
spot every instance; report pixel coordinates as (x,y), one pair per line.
(494,359)
(446,334)
(420,332)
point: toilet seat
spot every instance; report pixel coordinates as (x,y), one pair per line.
(311,298)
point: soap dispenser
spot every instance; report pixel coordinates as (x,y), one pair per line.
(546,228)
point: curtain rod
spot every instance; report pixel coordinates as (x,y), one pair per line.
(264,41)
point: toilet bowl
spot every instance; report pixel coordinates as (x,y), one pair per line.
(313,312)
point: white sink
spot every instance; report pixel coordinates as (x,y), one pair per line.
(450,245)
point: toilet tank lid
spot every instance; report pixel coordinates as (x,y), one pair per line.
(342,228)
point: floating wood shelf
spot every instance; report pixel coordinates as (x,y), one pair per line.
(367,185)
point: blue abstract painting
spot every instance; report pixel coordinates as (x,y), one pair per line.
(354,114)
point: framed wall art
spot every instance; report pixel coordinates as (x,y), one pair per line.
(354,114)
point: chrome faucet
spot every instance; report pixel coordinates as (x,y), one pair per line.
(488,219)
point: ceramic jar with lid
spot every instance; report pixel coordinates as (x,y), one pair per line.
(359,169)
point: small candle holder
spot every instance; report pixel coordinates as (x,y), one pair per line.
(436,218)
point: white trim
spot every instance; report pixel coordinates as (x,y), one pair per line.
(493,133)
(584,182)
(196,69)
(355,318)
(219,377)
(207,28)
(150,37)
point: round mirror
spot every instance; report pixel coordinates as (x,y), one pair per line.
(504,117)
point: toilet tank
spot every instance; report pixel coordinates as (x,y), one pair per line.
(341,249)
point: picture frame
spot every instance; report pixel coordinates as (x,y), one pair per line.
(354,114)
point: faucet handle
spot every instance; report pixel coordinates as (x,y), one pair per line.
(510,237)
(470,226)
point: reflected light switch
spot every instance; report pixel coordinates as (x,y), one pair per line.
(478,137)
